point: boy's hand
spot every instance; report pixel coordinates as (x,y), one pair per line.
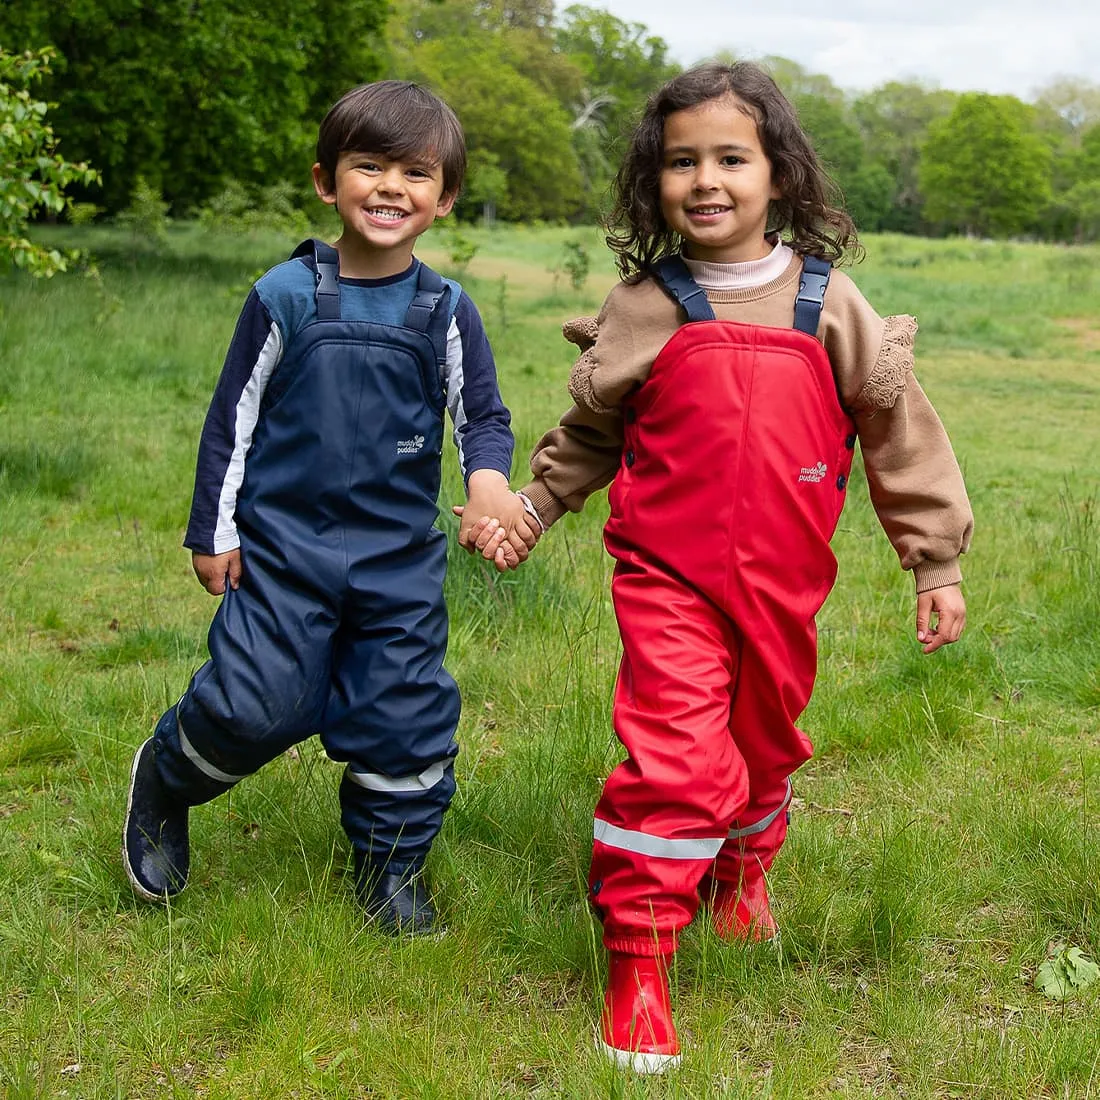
(214,569)
(949,607)
(495,523)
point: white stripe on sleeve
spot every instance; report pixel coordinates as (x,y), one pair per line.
(248,412)
(452,386)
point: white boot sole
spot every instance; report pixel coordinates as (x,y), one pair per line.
(638,1062)
(137,887)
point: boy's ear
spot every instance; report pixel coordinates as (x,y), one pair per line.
(445,204)
(325,187)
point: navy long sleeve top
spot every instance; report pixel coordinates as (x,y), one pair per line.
(279,305)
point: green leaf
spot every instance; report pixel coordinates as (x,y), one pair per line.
(1081,969)
(1065,973)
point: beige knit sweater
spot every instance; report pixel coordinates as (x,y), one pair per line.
(915,483)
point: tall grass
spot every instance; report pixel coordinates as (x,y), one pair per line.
(945,833)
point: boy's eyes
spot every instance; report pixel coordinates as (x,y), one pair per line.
(415,170)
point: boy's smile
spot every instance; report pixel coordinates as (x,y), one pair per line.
(716,183)
(384,204)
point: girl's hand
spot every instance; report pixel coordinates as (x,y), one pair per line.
(507,547)
(213,570)
(949,608)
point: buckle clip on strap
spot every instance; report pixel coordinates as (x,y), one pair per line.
(425,314)
(328,285)
(692,306)
(811,294)
(675,278)
(422,307)
(327,262)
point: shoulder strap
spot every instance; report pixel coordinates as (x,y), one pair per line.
(327,261)
(677,282)
(430,310)
(811,294)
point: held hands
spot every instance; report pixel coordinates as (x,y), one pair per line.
(495,523)
(949,608)
(214,569)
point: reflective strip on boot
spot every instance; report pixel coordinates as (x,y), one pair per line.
(764,822)
(404,784)
(659,847)
(200,762)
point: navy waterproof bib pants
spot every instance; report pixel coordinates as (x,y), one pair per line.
(339,625)
(735,460)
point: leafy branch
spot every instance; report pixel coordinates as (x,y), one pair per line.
(34,175)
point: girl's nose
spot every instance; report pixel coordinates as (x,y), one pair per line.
(705,176)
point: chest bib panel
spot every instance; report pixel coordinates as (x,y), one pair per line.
(350,437)
(735,461)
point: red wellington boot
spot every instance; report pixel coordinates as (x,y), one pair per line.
(741,912)
(636,1030)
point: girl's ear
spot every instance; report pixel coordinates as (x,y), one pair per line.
(325,188)
(779,183)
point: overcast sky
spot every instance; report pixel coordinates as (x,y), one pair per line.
(1016,46)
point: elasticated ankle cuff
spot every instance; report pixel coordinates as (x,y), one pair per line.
(644,946)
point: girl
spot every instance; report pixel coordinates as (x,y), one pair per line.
(729,443)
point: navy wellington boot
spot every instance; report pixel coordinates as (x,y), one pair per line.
(155,846)
(397,902)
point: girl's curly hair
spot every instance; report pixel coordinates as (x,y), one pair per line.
(809,213)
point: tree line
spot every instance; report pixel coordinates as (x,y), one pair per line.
(188,98)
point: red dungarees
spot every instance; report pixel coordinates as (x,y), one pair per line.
(735,459)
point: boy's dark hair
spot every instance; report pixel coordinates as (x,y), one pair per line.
(808,212)
(398,119)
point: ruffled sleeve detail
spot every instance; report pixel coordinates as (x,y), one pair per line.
(583,331)
(889,375)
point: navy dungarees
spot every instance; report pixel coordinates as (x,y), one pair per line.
(339,626)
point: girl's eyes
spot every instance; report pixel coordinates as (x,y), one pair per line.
(731,160)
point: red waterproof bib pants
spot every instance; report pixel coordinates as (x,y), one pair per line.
(735,460)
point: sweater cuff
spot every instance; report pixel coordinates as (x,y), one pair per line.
(936,574)
(548,507)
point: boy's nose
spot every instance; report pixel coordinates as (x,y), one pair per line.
(393,179)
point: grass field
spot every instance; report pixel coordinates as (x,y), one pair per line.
(945,839)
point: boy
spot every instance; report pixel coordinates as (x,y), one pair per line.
(313,516)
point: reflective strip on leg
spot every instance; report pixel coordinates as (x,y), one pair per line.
(405,784)
(764,822)
(203,765)
(646,844)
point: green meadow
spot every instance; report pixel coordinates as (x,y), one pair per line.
(945,838)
